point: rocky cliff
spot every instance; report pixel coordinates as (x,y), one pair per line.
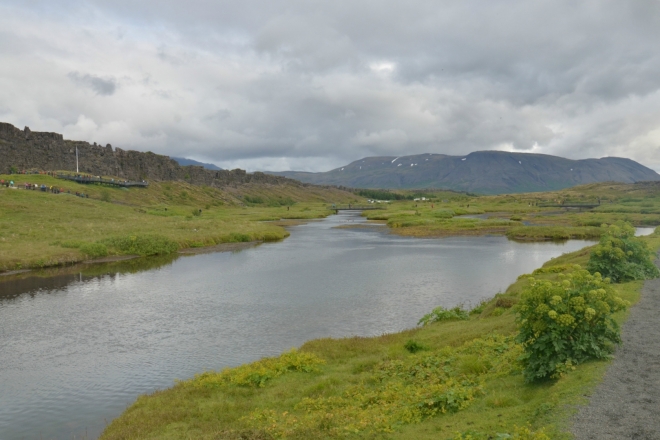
(30,150)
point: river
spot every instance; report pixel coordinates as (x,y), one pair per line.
(76,349)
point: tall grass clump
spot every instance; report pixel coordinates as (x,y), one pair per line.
(567,322)
(443,213)
(94,250)
(441,314)
(621,256)
(144,245)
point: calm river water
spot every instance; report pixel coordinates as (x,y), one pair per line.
(76,349)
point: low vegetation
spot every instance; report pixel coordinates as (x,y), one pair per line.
(502,370)
(526,217)
(42,229)
(621,257)
(566,323)
(512,367)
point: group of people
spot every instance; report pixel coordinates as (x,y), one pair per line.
(46,173)
(44,188)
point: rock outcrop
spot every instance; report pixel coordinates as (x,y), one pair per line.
(23,150)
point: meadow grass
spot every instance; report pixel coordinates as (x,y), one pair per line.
(40,229)
(526,216)
(464,382)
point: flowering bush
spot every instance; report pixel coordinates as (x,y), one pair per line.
(622,257)
(565,323)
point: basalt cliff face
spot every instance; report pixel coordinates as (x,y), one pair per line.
(30,150)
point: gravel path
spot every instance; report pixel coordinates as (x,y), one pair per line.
(626,405)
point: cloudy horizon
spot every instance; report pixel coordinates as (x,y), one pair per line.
(306,85)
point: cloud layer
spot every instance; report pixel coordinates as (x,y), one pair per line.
(312,85)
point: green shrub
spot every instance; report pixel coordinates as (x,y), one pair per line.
(94,250)
(621,256)
(414,346)
(236,237)
(565,323)
(196,212)
(505,302)
(479,308)
(256,199)
(144,245)
(441,314)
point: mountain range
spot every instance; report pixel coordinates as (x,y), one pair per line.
(185,162)
(484,172)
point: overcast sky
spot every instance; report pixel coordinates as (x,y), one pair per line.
(313,85)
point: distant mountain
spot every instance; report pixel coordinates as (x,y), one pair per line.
(484,172)
(183,162)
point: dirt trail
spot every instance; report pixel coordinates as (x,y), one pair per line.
(626,405)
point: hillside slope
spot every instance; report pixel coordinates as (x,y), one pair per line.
(486,172)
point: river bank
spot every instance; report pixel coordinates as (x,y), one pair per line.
(43,229)
(323,396)
(80,346)
(40,229)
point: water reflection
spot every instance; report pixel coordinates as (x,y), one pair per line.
(56,279)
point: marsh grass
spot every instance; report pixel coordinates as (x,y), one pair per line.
(523,217)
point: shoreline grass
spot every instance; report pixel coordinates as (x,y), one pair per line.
(376,387)
(41,229)
(525,217)
(356,377)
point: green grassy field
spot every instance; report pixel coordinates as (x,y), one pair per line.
(463,381)
(525,216)
(41,229)
(459,380)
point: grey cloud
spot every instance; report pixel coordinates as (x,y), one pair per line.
(319,83)
(101,86)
